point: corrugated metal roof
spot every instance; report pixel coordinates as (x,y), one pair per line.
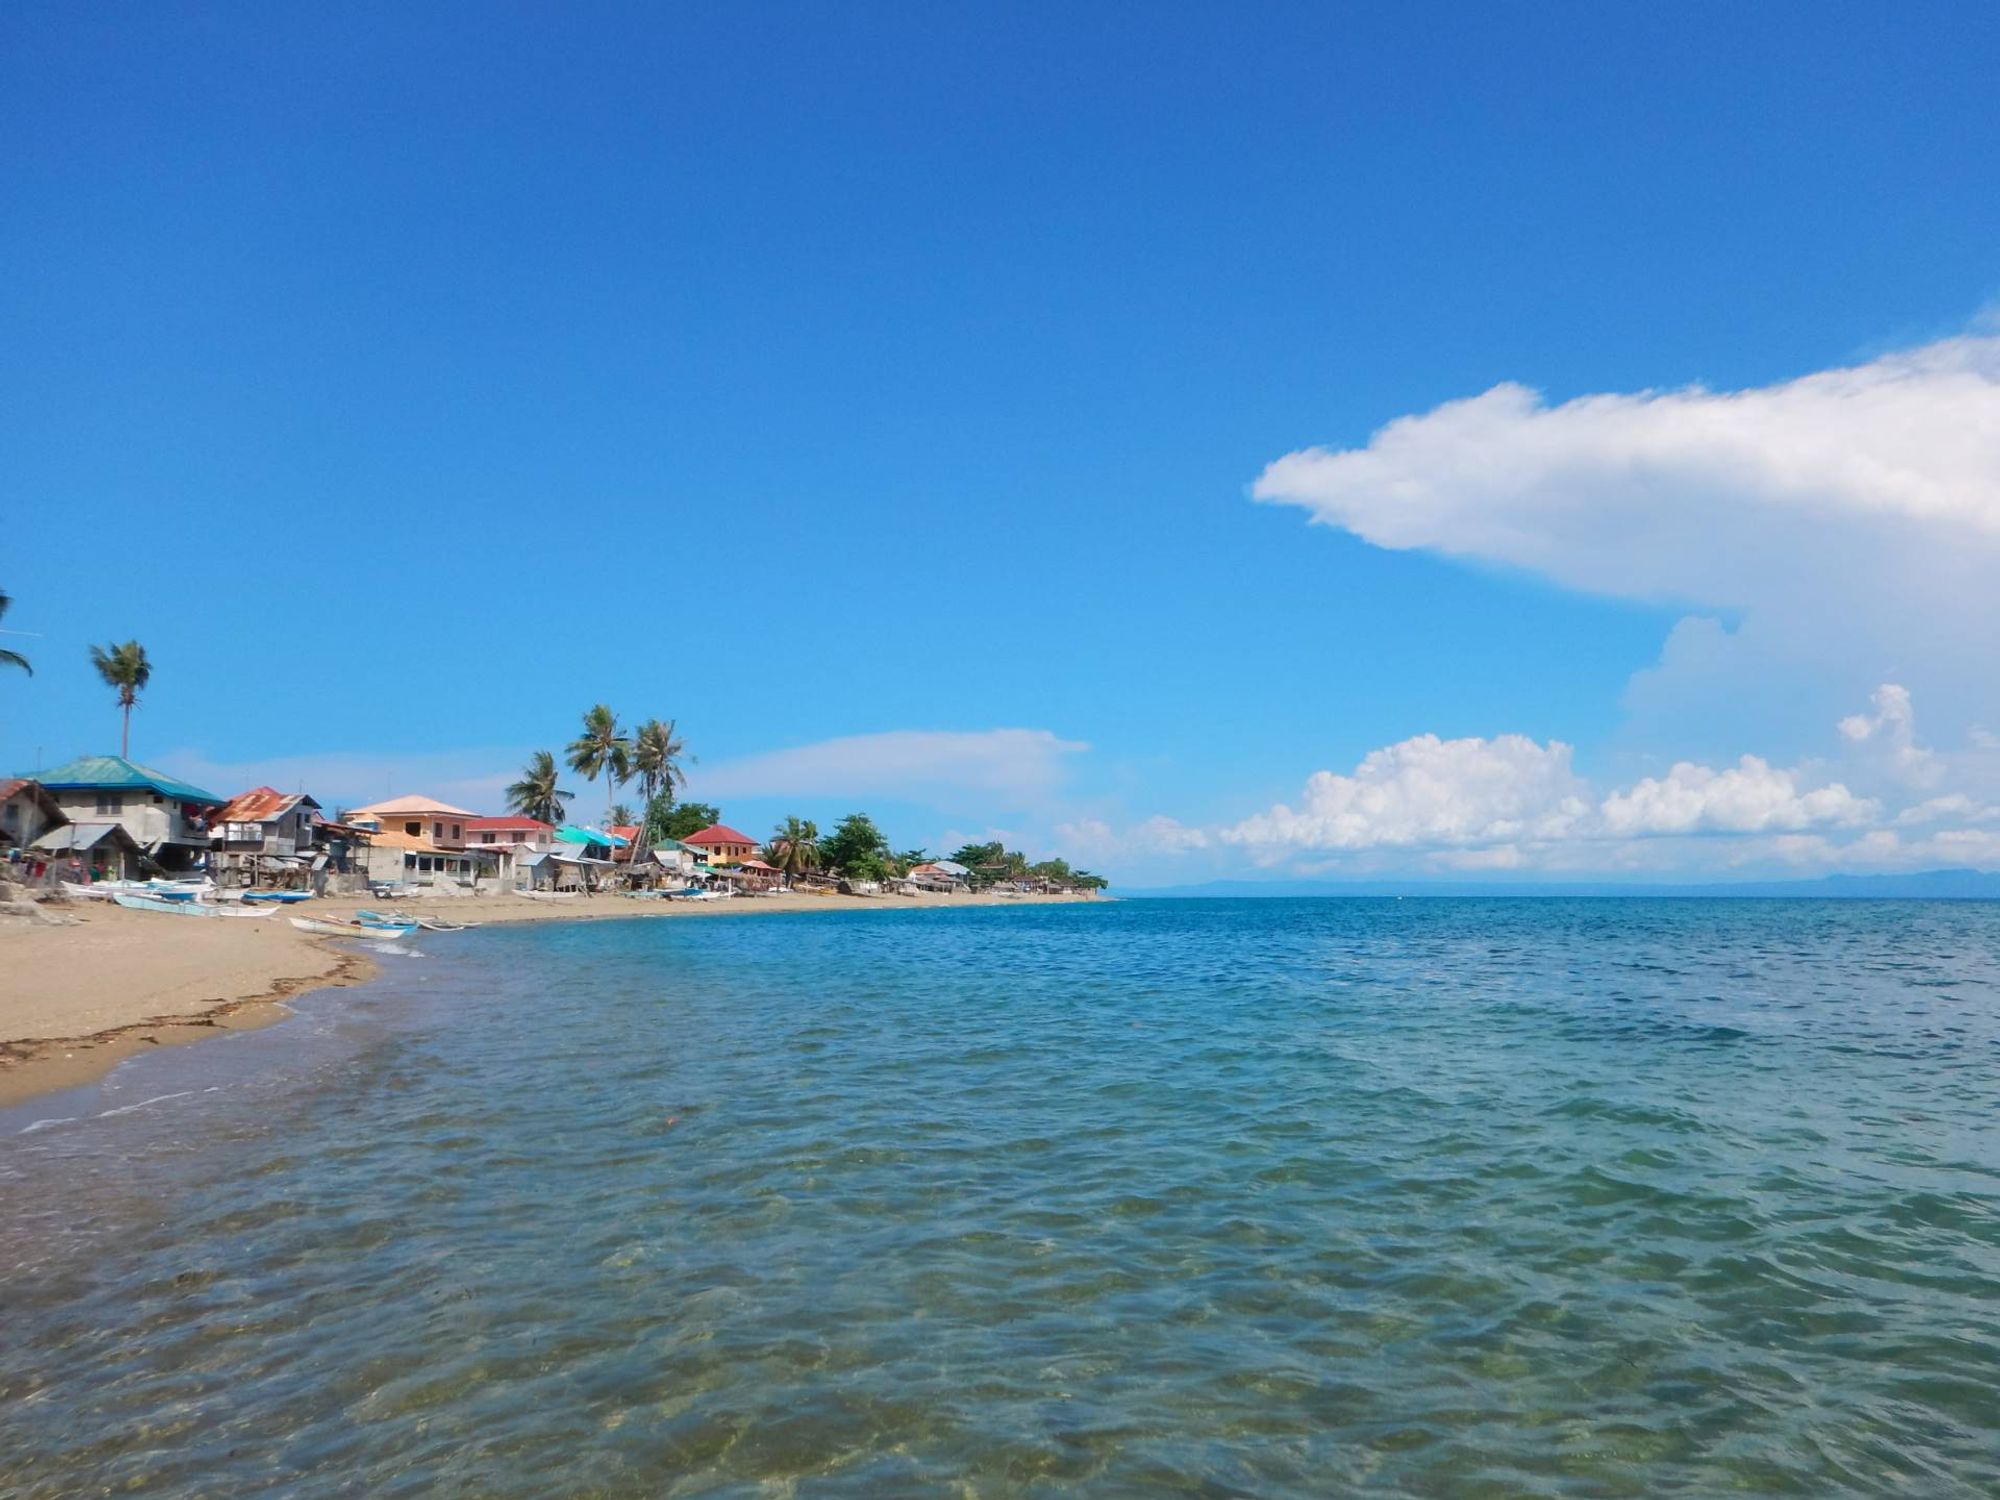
(80,836)
(90,771)
(261,804)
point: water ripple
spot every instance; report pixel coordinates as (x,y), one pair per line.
(1271,1198)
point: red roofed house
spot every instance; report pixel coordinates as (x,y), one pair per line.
(722,844)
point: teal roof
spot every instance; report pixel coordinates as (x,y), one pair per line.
(569,833)
(88,771)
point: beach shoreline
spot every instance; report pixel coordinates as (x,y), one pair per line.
(77,1000)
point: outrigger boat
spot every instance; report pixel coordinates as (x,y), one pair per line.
(329,928)
(404,919)
(285,896)
(159,890)
(549,895)
(179,908)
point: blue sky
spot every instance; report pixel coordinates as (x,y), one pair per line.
(409,378)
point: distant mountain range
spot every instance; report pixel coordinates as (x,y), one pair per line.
(1927,885)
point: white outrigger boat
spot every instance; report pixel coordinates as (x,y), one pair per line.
(404,919)
(549,895)
(159,890)
(325,927)
(185,908)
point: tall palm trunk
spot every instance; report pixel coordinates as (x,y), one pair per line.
(125,734)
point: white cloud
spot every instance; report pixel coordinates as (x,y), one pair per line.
(1510,803)
(1428,791)
(1007,767)
(1750,797)
(1893,729)
(1092,841)
(1849,519)
(1681,494)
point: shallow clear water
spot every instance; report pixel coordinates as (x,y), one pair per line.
(1213,1198)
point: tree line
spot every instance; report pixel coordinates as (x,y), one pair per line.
(652,757)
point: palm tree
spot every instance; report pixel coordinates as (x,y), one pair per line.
(12,658)
(125,668)
(794,846)
(656,753)
(621,815)
(602,750)
(536,794)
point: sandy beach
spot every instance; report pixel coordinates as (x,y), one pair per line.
(77,1000)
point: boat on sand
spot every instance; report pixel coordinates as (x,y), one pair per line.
(175,907)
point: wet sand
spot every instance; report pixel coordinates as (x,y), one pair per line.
(77,1000)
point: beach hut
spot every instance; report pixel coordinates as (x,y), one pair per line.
(89,850)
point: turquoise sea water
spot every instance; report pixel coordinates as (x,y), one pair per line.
(1290,1198)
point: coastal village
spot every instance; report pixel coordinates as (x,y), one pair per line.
(107,825)
(104,819)
(103,857)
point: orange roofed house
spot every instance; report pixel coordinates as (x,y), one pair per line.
(722,844)
(265,835)
(420,840)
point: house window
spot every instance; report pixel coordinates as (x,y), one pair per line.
(437,830)
(414,830)
(109,804)
(457,831)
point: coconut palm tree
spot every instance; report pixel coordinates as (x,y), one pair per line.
(794,846)
(621,815)
(536,794)
(12,658)
(656,758)
(602,750)
(126,669)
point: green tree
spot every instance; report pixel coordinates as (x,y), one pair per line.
(126,669)
(602,750)
(794,846)
(856,848)
(536,794)
(621,815)
(688,817)
(656,759)
(12,658)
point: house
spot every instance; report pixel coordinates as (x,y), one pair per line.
(167,818)
(722,844)
(419,839)
(940,875)
(521,833)
(266,835)
(681,859)
(88,850)
(263,834)
(27,811)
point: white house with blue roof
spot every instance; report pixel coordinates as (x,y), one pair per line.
(165,816)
